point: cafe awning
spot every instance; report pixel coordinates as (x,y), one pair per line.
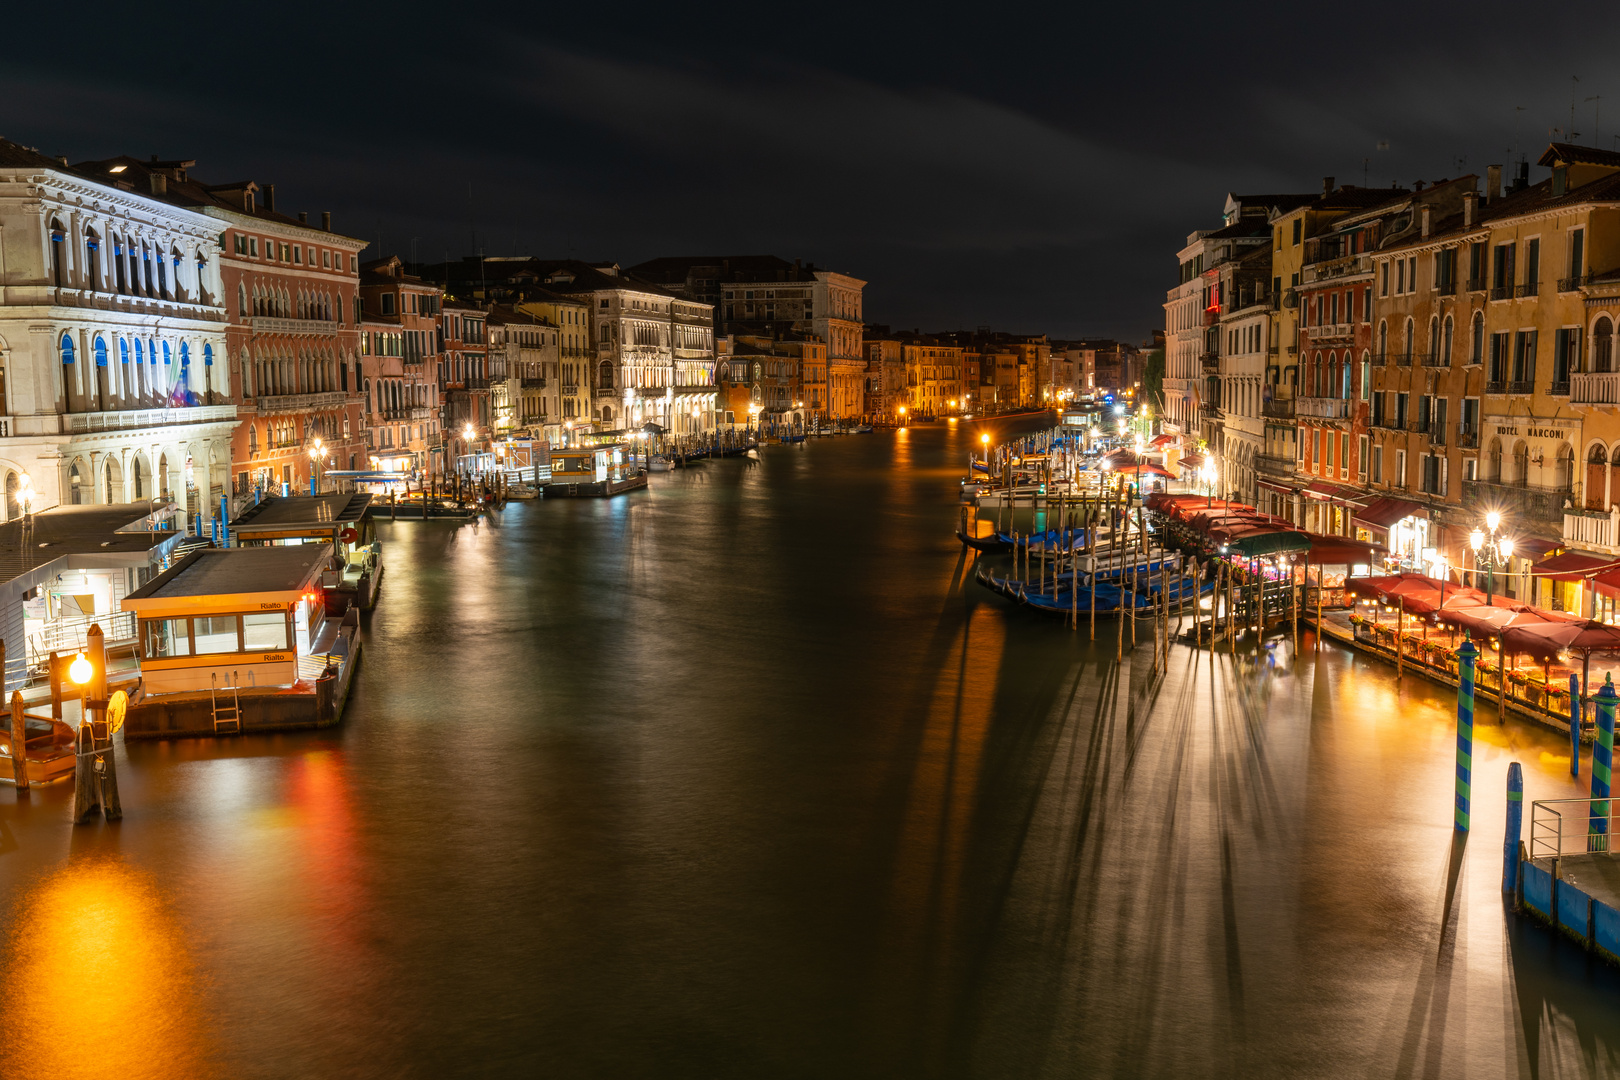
(1536,548)
(1572,567)
(1382,513)
(1342,551)
(1321,489)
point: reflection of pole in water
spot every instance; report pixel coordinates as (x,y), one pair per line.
(1515,827)
(1602,761)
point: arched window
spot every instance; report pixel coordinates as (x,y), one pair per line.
(1408,342)
(100,348)
(165,354)
(1445,343)
(123,351)
(1521,463)
(1366,373)
(1603,345)
(1493,461)
(1434,338)
(1476,340)
(92,259)
(1564,478)
(13,510)
(1597,467)
(58,238)
(241,299)
(75,482)
(604,376)
(67,349)
(1383,340)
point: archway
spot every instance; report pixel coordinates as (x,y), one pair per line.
(1521,463)
(1597,461)
(141,475)
(113,481)
(75,483)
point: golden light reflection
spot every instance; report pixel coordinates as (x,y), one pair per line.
(930,857)
(100,982)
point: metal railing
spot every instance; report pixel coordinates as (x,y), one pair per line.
(1529,288)
(1558,388)
(1570,826)
(1502,292)
(1495,386)
(1446,288)
(1467,437)
(71,634)
(1434,359)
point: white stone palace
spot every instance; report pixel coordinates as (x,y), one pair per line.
(114,380)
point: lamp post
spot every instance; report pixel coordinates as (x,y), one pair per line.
(984,441)
(1209,476)
(902,416)
(316,452)
(1490,549)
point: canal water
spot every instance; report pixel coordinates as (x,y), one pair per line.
(743,776)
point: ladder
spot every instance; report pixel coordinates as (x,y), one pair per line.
(228,717)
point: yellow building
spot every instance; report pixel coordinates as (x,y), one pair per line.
(570,369)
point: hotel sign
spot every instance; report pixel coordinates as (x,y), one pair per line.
(1531,432)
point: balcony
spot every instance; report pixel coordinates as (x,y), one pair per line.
(1403,359)
(1573,284)
(1419,425)
(1380,359)
(1446,288)
(1558,389)
(263,325)
(1210,362)
(1327,408)
(1278,408)
(1529,288)
(1386,423)
(1330,330)
(1476,284)
(569,389)
(1502,292)
(1332,269)
(301,403)
(1437,434)
(533,383)
(77,423)
(1521,386)
(1541,506)
(1431,359)
(1590,528)
(1594,388)
(1495,386)
(1467,437)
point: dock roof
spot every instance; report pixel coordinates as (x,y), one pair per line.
(321,513)
(236,572)
(77,530)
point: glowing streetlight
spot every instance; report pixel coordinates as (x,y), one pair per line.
(80,671)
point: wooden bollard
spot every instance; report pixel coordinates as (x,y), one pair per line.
(1400,619)
(55,667)
(19,743)
(1318,611)
(106,767)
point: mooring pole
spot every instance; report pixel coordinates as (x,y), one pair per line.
(1515,828)
(1465,731)
(1574,724)
(1597,833)
(19,744)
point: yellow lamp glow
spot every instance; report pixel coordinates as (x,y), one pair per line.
(79,670)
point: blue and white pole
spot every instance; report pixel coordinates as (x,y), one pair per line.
(1597,832)
(1574,724)
(1515,829)
(1466,656)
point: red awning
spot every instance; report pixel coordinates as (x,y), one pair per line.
(1321,489)
(1572,567)
(1281,489)
(1191,460)
(1341,551)
(1161,441)
(1382,513)
(1608,584)
(1536,548)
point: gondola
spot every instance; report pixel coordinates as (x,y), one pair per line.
(983,543)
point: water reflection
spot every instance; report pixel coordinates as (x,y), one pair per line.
(100,981)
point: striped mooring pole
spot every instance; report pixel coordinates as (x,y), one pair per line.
(1465,731)
(1597,832)
(1575,708)
(1515,829)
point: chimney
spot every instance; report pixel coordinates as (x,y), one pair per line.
(1426,220)
(160,183)
(303,216)
(1470,208)
(1493,183)
(326,220)
(270,197)
(1522,181)
(1418,186)
(1327,185)
(249,202)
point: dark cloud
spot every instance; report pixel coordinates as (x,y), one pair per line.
(1029,168)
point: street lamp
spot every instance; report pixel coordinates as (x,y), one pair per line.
(1210,475)
(80,671)
(1490,549)
(315,454)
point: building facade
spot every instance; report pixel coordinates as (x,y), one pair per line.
(112,337)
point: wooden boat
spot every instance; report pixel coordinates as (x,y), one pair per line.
(864,429)
(49,754)
(659,463)
(791,439)
(983,543)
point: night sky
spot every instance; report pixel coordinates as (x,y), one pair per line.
(977,164)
